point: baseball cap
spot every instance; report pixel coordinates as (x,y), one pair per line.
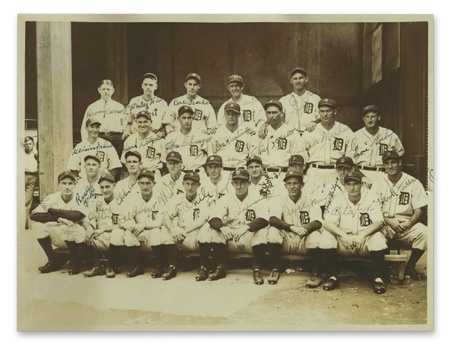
(146,173)
(370,108)
(233,107)
(390,155)
(193,76)
(66,174)
(345,161)
(327,102)
(93,120)
(192,176)
(108,177)
(150,75)
(356,176)
(185,108)
(273,103)
(235,78)
(144,114)
(133,153)
(299,70)
(94,157)
(291,174)
(240,174)
(254,159)
(296,159)
(173,156)
(214,160)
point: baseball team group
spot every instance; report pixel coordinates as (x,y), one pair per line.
(285,177)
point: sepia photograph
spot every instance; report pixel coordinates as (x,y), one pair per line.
(225,172)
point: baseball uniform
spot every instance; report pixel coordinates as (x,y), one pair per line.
(166,188)
(150,148)
(86,191)
(156,107)
(124,189)
(252,112)
(301,110)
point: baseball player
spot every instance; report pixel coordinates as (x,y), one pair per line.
(149,102)
(301,110)
(186,215)
(110,113)
(61,222)
(204,115)
(88,188)
(145,224)
(216,184)
(403,200)
(147,143)
(260,183)
(191,143)
(231,141)
(295,226)
(94,145)
(372,141)
(326,143)
(171,184)
(240,220)
(252,115)
(127,186)
(356,220)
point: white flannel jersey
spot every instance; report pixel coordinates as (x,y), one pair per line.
(85,191)
(300,110)
(311,189)
(110,113)
(150,148)
(369,149)
(204,115)
(184,213)
(298,213)
(150,212)
(252,112)
(124,189)
(156,107)
(215,191)
(101,148)
(102,215)
(30,162)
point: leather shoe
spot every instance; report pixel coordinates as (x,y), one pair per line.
(330,284)
(257,277)
(379,287)
(51,266)
(273,277)
(412,272)
(138,270)
(202,274)
(219,273)
(110,272)
(96,270)
(157,273)
(73,269)
(172,273)
(314,281)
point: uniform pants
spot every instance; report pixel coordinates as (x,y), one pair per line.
(59,233)
(416,236)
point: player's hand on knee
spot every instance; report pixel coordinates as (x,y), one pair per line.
(138,228)
(65,221)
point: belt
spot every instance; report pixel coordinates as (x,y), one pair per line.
(192,170)
(315,165)
(276,169)
(110,133)
(229,168)
(31,173)
(382,169)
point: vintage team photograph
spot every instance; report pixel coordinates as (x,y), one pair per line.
(225,173)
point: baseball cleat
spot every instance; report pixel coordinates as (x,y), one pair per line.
(73,269)
(172,273)
(219,273)
(157,273)
(51,266)
(202,274)
(138,270)
(314,281)
(273,277)
(97,270)
(412,272)
(379,287)
(110,272)
(257,277)
(330,284)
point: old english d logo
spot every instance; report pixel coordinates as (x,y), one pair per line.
(247,115)
(193,150)
(115,218)
(154,215)
(239,147)
(196,213)
(403,199)
(338,144)
(304,217)
(198,115)
(364,220)
(382,149)
(250,215)
(151,152)
(100,155)
(282,143)
(308,107)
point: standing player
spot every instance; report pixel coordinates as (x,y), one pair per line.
(403,200)
(356,220)
(93,145)
(252,110)
(60,221)
(326,143)
(127,186)
(372,141)
(148,102)
(111,115)
(204,115)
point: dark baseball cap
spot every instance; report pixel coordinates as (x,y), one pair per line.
(192,176)
(193,76)
(345,161)
(233,107)
(133,153)
(66,174)
(296,159)
(240,173)
(185,108)
(254,158)
(327,102)
(273,103)
(356,176)
(93,120)
(150,75)
(214,160)
(173,156)
(299,70)
(146,173)
(234,78)
(108,177)
(144,114)
(390,155)
(93,157)
(292,174)
(370,108)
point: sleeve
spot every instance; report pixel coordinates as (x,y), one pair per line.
(83,131)
(114,161)
(275,208)
(419,196)
(398,146)
(261,209)
(258,224)
(72,215)
(220,211)
(351,143)
(74,163)
(260,114)
(126,147)
(278,223)
(221,120)
(211,120)
(45,204)
(171,114)
(212,149)
(332,212)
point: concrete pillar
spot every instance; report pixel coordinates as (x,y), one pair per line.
(54,80)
